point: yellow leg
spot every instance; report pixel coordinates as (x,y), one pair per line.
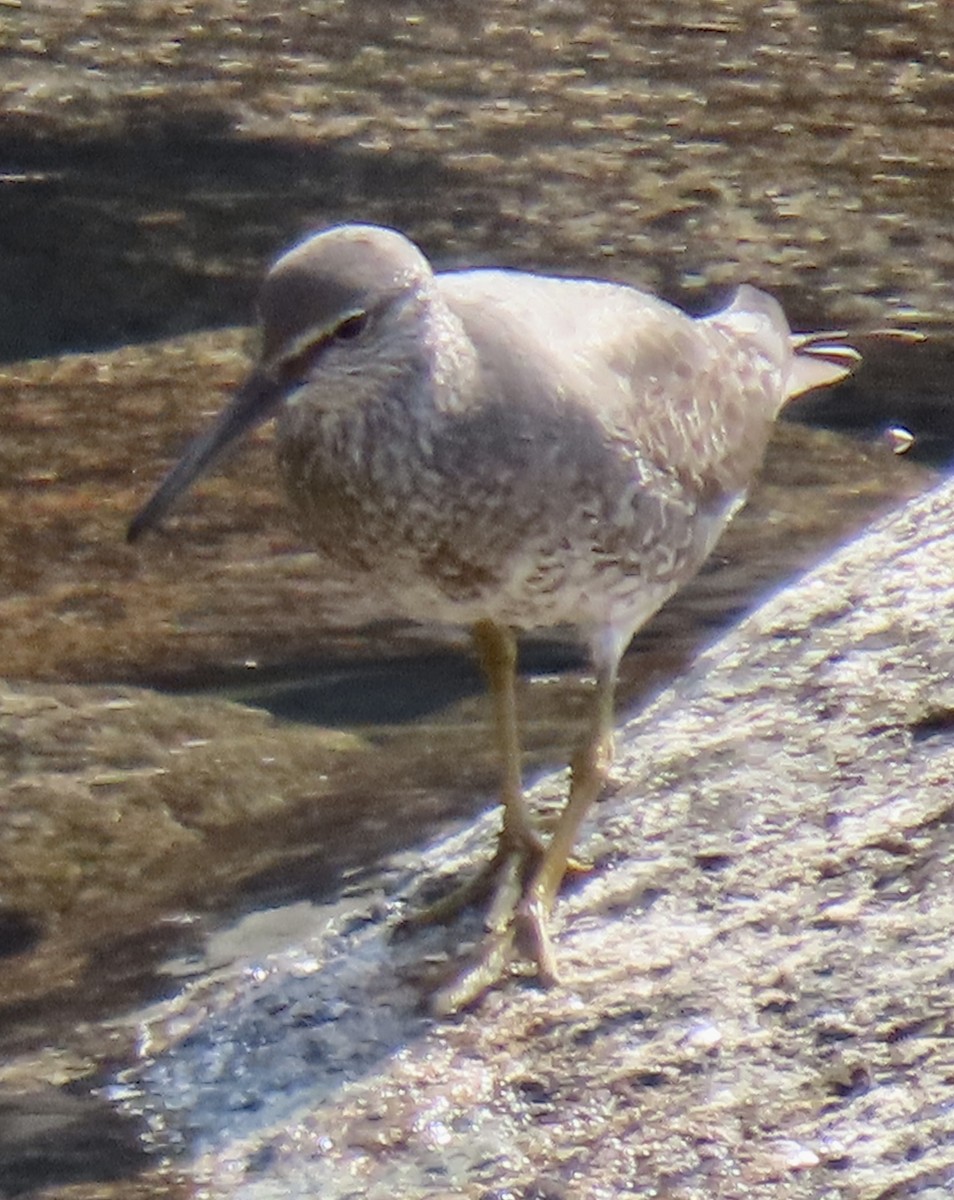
(529,878)
(496,647)
(589,769)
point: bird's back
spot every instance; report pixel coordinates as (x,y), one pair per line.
(695,397)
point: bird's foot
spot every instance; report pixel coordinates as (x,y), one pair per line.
(528,848)
(516,924)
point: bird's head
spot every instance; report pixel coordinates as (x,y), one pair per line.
(336,309)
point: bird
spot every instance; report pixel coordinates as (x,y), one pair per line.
(507,451)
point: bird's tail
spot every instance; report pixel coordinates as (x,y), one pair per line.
(821,359)
(812,359)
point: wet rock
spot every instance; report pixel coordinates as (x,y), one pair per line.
(122,807)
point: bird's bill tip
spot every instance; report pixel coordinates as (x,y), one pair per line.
(254,402)
(137,527)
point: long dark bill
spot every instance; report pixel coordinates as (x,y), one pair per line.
(254,402)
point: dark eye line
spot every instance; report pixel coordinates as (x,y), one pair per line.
(294,369)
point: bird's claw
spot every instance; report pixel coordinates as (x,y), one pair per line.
(516,926)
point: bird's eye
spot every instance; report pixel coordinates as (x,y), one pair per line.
(351,327)
(295,369)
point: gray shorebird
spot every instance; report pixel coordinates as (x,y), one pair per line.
(505,451)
